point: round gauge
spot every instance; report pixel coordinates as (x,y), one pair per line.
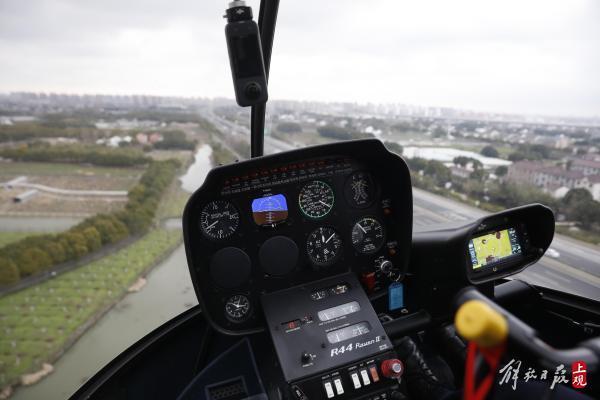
(367,235)
(360,189)
(316,199)
(324,246)
(237,308)
(219,219)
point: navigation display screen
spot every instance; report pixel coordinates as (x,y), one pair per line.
(269,210)
(493,247)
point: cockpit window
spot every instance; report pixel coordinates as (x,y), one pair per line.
(112,114)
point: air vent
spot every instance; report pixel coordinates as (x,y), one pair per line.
(230,390)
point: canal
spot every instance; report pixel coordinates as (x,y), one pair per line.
(168,292)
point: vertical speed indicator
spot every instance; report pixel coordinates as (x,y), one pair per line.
(219,219)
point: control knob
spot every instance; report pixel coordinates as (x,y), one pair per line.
(305,357)
(392,368)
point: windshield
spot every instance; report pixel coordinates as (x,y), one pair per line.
(112,113)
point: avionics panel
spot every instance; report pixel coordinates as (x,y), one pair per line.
(278,221)
(316,335)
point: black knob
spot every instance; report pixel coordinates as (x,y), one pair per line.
(253,90)
(305,357)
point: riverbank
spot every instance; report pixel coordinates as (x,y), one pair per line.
(40,323)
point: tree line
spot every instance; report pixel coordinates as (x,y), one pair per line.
(577,205)
(38,253)
(76,153)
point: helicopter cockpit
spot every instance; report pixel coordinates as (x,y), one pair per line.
(312,284)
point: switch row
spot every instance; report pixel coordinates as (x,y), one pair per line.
(339,388)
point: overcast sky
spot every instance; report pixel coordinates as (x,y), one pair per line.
(538,56)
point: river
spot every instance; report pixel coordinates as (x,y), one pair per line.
(168,293)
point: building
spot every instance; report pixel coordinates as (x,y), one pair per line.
(589,164)
(551,179)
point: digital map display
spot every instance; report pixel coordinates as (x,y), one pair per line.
(494,246)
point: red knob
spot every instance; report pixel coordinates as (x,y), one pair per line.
(392,368)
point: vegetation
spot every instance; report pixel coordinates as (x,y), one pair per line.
(76,153)
(531,152)
(464,161)
(175,140)
(34,254)
(10,237)
(38,322)
(501,170)
(338,133)
(29,131)
(489,151)
(289,127)
(221,155)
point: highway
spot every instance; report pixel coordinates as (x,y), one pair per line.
(576,270)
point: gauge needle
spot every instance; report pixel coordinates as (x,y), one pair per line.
(325,204)
(211,225)
(332,235)
(361,228)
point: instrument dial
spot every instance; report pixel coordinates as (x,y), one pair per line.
(360,189)
(219,219)
(237,308)
(368,235)
(316,199)
(324,246)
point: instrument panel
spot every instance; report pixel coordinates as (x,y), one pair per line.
(274,222)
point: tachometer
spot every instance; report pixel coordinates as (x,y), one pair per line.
(316,199)
(368,235)
(237,308)
(324,246)
(219,219)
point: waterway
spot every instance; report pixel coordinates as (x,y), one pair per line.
(447,154)
(168,293)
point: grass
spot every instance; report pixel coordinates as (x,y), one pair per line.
(37,323)
(9,237)
(45,169)
(579,234)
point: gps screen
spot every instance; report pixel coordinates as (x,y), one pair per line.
(493,247)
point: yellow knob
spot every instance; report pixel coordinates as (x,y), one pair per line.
(480,323)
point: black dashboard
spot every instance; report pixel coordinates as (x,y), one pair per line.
(263,225)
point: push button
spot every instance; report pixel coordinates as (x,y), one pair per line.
(329,390)
(374,374)
(355,380)
(365,377)
(338,386)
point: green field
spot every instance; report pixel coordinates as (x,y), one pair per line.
(43,169)
(36,323)
(9,237)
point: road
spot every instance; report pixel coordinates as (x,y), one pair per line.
(576,270)
(272,145)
